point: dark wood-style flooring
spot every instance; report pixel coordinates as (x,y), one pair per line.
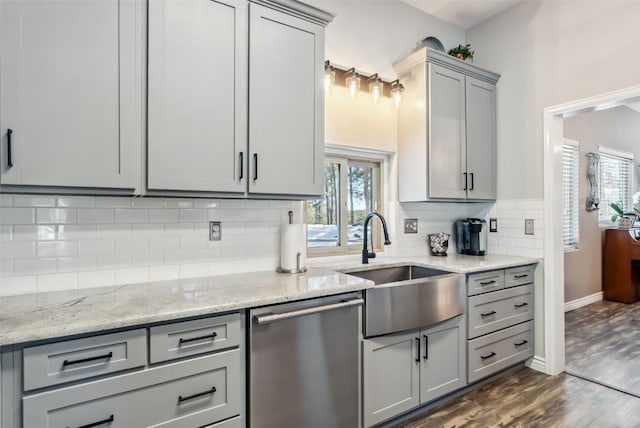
(602,343)
(530,399)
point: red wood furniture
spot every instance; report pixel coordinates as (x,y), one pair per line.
(621,266)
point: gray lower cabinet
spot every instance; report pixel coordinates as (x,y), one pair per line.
(402,371)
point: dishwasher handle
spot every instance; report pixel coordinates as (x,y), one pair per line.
(269,318)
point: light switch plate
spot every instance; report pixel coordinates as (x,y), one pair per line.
(215,231)
(410,225)
(493,225)
(528,226)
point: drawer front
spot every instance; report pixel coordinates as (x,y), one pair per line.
(519,276)
(494,311)
(484,282)
(229,423)
(72,360)
(181,398)
(188,338)
(496,351)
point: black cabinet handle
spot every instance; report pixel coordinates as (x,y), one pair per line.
(488,282)
(524,342)
(255,166)
(418,346)
(102,422)
(472,185)
(521,276)
(426,346)
(182,399)
(520,305)
(9,155)
(86,360)
(193,339)
(488,314)
(486,357)
(465,180)
(241,165)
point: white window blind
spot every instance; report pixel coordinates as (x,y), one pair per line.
(616,182)
(570,194)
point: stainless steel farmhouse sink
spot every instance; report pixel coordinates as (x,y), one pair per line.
(409,296)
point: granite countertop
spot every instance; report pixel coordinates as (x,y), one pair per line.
(34,317)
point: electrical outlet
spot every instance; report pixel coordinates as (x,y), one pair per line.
(528,226)
(410,225)
(493,225)
(215,231)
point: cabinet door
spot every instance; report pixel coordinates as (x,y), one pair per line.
(447,139)
(70,90)
(286,106)
(443,368)
(197,95)
(390,376)
(481,139)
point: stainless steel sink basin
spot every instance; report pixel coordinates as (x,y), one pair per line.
(409,297)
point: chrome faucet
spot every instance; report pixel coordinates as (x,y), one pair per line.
(366,255)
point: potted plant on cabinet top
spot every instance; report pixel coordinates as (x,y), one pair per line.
(462,52)
(626,219)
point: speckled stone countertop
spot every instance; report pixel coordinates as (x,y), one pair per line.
(34,317)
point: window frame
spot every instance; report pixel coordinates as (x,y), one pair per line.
(573,244)
(346,158)
(604,217)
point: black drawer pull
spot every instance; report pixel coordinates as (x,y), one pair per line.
(493,281)
(255,166)
(486,357)
(9,155)
(472,185)
(193,339)
(524,342)
(524,275)
(86,360)
(241,165)
(418,346)
(520,305)
(488,314)
(426,346)
(465,181)
(96,424)
(182,399)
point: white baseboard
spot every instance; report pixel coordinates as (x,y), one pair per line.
(583,301)
(537,363)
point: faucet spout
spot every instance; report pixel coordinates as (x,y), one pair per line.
(366,255)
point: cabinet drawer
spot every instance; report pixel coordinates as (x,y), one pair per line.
(229,423)
(183,339)
(519,276)
(496,351)
(494,311)
(197,392)
(71,360)
(484,282)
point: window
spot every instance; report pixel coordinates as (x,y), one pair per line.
(616,182)
(351,191)
(570,194)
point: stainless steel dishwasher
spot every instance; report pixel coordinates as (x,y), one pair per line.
(304,359)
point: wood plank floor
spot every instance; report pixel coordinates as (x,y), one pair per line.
(532,399)
(602,342)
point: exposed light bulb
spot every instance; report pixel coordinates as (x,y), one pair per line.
(396,92)
(375,88)
(329,78)
(353,84)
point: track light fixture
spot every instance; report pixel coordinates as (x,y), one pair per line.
(351,79)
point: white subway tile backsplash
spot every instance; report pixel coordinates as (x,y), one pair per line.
(131,276)
(132,245)
(164,216)
(34,201)
(76,264)
(178,257)
(147,203)
(220,215)
(18,250)
(206,203)
(98,278)
(96,247)
(163,273)
(206,254)
(193,270)
(77,201)
(6,201)
(178,229)
(113,231)
(6,232)
(148,259)
(56,215)
(178,203)
(76,231)
(245,215)
(131,215)
(95,215)
(18,285)
(192,215)
(34,233)
(148,230)
(57,248)
(6,268)
(113,261)
(57,282)
(192,242)
(34,266)
(111,202)
(17,216)
(164,243)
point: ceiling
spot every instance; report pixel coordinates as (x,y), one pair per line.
(463,13)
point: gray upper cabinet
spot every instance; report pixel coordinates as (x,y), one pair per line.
(446,129)
(197,122)
(286,104)
(71,93)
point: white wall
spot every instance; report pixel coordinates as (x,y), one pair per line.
(617,128)
(551,52)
